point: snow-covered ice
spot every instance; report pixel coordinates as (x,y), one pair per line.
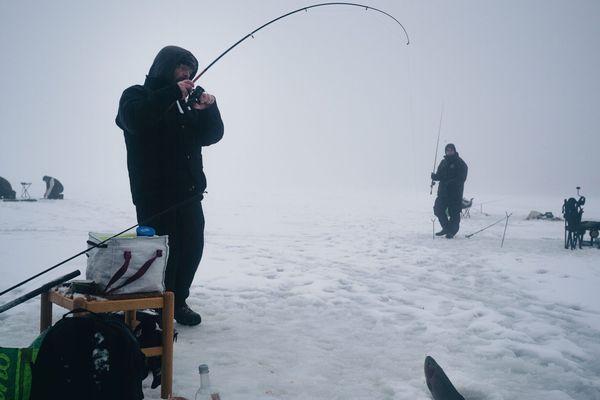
(341,296)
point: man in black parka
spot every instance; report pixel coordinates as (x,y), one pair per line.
(164,140)
(452,174)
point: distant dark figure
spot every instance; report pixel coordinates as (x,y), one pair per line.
(6,191)
(452,174)
(54,188)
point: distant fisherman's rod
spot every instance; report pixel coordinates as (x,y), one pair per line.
(437,145)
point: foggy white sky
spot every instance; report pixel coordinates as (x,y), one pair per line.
(328,99)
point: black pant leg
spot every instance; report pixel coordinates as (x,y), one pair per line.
(53,193)
(185,227)
(439,209)
(454,209)
(190,247)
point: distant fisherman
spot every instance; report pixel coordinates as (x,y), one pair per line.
(54,188)
(452,174)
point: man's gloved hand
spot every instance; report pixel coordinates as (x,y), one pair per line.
(206,100)
(434,176)
(186,86)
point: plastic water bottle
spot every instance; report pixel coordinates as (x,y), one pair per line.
(205,391)
(145,231)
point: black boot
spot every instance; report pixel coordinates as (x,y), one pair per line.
(449,235)
(186,316)
(441,233)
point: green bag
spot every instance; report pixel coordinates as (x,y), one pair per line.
(15,370)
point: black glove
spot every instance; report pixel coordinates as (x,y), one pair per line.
(194,96)
(434,176)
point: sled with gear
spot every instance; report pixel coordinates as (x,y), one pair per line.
(575,228)
(546,216)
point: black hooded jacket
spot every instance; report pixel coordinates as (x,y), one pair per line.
(164,147)
(452,174)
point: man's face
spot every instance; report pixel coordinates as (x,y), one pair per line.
(450,152)
(182,72)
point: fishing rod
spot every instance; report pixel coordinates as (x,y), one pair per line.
(144,222)
(505,226)
(42,289)
(489,226)
(488,202)
(306,8)
(198,90)
(437,145)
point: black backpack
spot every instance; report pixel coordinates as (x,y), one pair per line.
(92,357)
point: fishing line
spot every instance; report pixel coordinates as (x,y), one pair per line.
(306,8)
(411,108)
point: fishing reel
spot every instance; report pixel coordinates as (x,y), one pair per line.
(194,96)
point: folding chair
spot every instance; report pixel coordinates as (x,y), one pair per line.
(466,207)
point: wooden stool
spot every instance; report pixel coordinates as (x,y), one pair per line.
(129,305)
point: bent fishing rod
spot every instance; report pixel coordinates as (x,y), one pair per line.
(197,92)
(193,97)
(306,8)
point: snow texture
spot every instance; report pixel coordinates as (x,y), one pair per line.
(343,296)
